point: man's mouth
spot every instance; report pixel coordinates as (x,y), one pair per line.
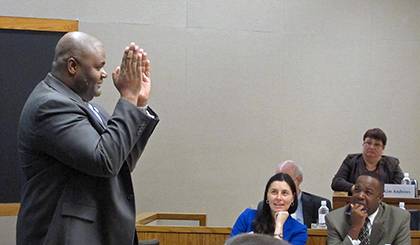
(360,203)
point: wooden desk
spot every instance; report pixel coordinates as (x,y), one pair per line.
(410,203)
(316,237)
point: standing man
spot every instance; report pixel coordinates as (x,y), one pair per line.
(367,220)
(77,159)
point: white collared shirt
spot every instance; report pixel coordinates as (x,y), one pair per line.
(298,214)
(371,218)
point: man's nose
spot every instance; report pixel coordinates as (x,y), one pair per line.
(361,195)
(104,74)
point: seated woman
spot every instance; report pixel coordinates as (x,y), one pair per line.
(280,200)
(370,161)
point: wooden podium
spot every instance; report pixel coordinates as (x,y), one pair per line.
(180,235)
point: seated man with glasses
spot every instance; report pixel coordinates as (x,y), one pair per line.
(370,161)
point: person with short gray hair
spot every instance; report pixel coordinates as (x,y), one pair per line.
(308,203)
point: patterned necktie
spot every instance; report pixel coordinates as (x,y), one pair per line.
(96,112)
(364,234)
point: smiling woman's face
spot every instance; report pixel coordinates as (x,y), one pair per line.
(279,196)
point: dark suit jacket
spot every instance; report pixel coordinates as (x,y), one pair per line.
(310,206)
(391,226)
(353,166)
(78,187)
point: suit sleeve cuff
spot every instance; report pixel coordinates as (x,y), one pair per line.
(145,110)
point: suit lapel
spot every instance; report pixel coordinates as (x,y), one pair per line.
(61,88)
(347,224)
(98,124)
(378,228)
(306,210)
(103,114)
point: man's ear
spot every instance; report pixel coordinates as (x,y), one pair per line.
(72,65)
(299,179)
(381,196)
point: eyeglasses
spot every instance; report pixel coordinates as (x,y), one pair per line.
(375,145)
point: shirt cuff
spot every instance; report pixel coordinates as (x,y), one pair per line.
(354,242)
(145,111)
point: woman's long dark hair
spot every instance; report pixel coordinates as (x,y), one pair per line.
(264,221)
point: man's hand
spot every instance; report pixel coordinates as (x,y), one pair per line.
(358,217)
(130,78)
(145,82)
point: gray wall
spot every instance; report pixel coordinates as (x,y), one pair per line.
(241,85)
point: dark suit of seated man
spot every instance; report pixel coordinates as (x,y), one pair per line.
(308,204)
(367,220)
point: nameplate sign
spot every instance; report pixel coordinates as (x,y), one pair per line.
(403,191)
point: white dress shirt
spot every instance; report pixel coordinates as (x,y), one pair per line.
(370,218)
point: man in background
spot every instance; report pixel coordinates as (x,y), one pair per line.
(308,204)
(76,159)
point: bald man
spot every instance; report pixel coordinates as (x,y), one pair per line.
(76,158)
(308,204)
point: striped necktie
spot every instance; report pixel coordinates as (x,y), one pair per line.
(364,234)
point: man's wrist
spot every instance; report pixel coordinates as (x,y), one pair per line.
(143,108)
(130,98)
(354,233)
(142,102)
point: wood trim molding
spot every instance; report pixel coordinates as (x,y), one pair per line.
(145,218)
(183,229)
(9,209)
(38,24)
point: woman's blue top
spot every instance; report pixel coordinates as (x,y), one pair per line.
(293,231)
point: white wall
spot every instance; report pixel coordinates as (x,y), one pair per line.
(241,85)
